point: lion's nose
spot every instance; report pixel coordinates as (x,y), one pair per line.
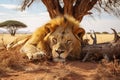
(59,51)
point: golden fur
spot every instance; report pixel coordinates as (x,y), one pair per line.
(59,38)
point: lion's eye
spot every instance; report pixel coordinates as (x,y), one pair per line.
(54,40)
(69,42)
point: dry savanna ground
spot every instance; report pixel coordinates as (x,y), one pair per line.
(13,66)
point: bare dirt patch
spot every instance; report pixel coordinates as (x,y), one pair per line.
(14,66)
(54,71)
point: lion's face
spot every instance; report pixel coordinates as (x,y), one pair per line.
(63,41)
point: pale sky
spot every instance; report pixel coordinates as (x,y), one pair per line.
(37,15)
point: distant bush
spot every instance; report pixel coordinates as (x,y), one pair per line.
(88,32)
(97,32)
(105,33)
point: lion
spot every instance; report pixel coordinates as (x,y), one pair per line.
(59,39)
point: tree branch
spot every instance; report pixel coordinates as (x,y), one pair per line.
(91,4)
(76,8)
(116,36)
(82,8)
(94,38)
(25,3)
(68,7)
(30,3)
(53,7)
(106,49)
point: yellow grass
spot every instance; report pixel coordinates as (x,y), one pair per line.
(7,38)
(100,38)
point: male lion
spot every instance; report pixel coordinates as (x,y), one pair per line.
(60,38)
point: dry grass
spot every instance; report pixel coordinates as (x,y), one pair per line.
(12,60)
(7,38)
(100,37)
(108,70)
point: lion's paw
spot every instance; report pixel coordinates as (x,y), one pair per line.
(37,55)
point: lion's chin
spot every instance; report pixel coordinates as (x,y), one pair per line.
(59,60)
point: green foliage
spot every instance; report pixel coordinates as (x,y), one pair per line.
(12,26)
(10,23)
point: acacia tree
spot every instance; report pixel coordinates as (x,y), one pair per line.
(12,26)
(76,8)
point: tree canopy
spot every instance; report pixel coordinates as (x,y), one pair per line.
(10,23)
(77,8)
(12,26)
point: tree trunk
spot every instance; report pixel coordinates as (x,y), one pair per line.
(76,8)
(12,30)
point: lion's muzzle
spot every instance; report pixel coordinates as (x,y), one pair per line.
(59,51)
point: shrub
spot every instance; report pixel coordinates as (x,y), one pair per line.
(105,33)
(88,32)
(97,32)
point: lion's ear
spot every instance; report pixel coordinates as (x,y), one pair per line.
(49,28)
(79,32)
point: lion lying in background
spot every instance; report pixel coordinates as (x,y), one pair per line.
(60,38)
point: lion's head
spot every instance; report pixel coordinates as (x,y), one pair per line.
(64,38)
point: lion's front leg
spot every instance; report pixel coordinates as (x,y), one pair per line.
(36,56)
(32,52)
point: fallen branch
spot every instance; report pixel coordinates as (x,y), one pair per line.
(107,50)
